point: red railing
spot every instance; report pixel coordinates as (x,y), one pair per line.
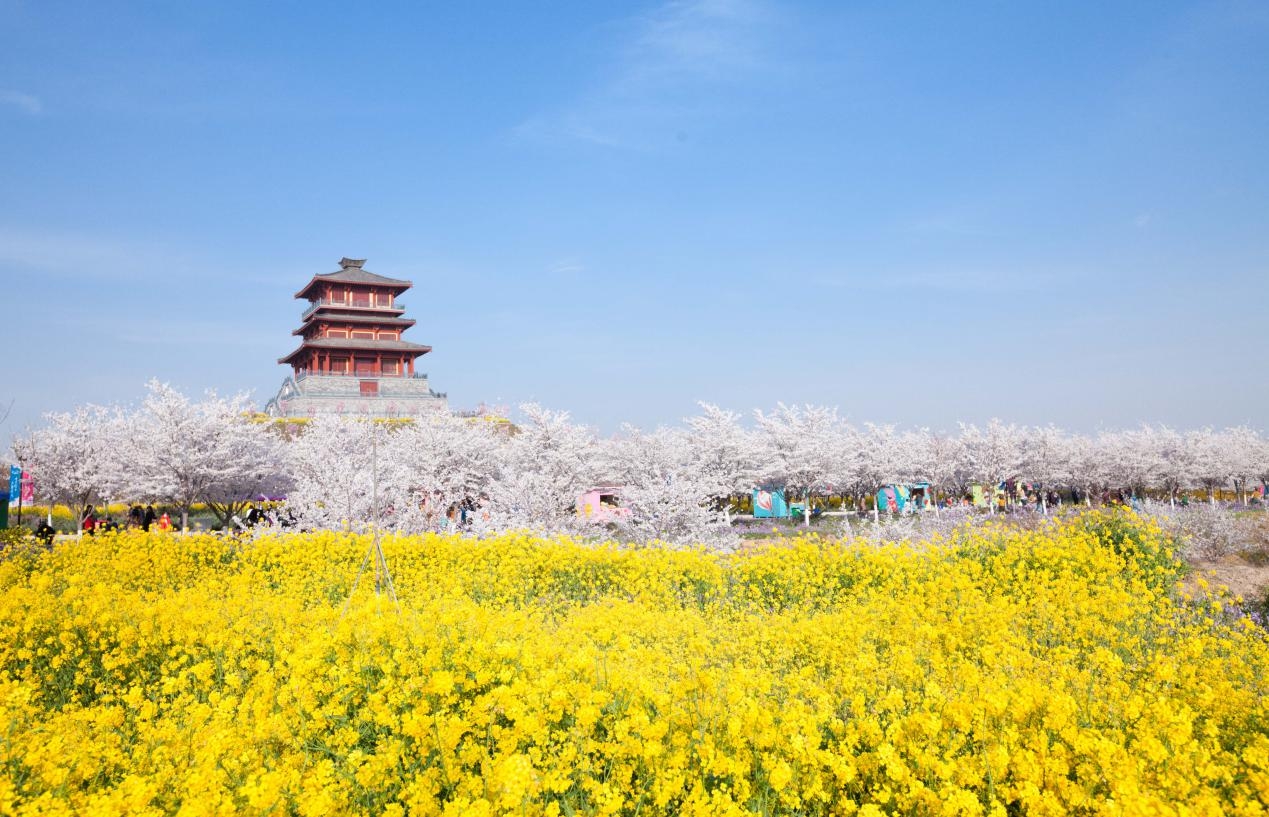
(351,304)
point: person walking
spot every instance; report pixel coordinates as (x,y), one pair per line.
(147,519)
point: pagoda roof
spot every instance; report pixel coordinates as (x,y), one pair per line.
(326,317)
(351,272)
(359,344)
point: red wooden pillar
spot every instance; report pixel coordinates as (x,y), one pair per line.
(411,367)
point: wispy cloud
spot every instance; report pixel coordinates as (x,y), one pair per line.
(941,281)
(697,40)
(24,102)
(155,330)
(956,224)
(675,69)
(86,256)
(567,268)
(80,256)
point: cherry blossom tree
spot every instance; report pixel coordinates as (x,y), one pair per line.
(182,451)
(542,470)
(72,458)
(1261,458)
(881,457)
(939,459)
(993,454)
(669,491)
(1244,451)
(802,449)
(726,454)
(451,461)
(348,474)
(1174,461)
(1131,459)
(1212,460)
(1046,460)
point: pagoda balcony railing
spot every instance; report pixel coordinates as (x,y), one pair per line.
(303,373)
(320,302)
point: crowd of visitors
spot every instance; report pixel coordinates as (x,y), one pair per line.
(138,518)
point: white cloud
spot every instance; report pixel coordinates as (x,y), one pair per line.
(568,267)
(23,102)
(696,40)
(673,72)
(967,281)
(79,256)
(955,223)
(61,252)
(66,255)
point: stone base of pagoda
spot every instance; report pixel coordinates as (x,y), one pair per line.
(314,395)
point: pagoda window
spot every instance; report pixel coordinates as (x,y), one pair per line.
(365,365)
(339,364)
(336,333)
(392,367)
(360,298)
(387,336)
(363,334)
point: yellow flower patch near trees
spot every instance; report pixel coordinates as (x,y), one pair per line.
(1049,672)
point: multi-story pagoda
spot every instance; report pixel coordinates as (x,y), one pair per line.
(351,358)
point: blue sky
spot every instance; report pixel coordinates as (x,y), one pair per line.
(921,213)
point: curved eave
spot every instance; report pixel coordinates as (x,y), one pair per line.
(403,323)
(397,287)
(412,349)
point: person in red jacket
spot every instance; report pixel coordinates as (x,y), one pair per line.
(90,521)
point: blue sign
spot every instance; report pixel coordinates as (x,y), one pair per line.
(15,483)
(769,504)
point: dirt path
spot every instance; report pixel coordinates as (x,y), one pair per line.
(1243,578)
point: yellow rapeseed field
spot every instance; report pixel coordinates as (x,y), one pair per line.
(1003,671)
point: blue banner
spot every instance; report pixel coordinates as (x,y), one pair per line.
(15,483)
